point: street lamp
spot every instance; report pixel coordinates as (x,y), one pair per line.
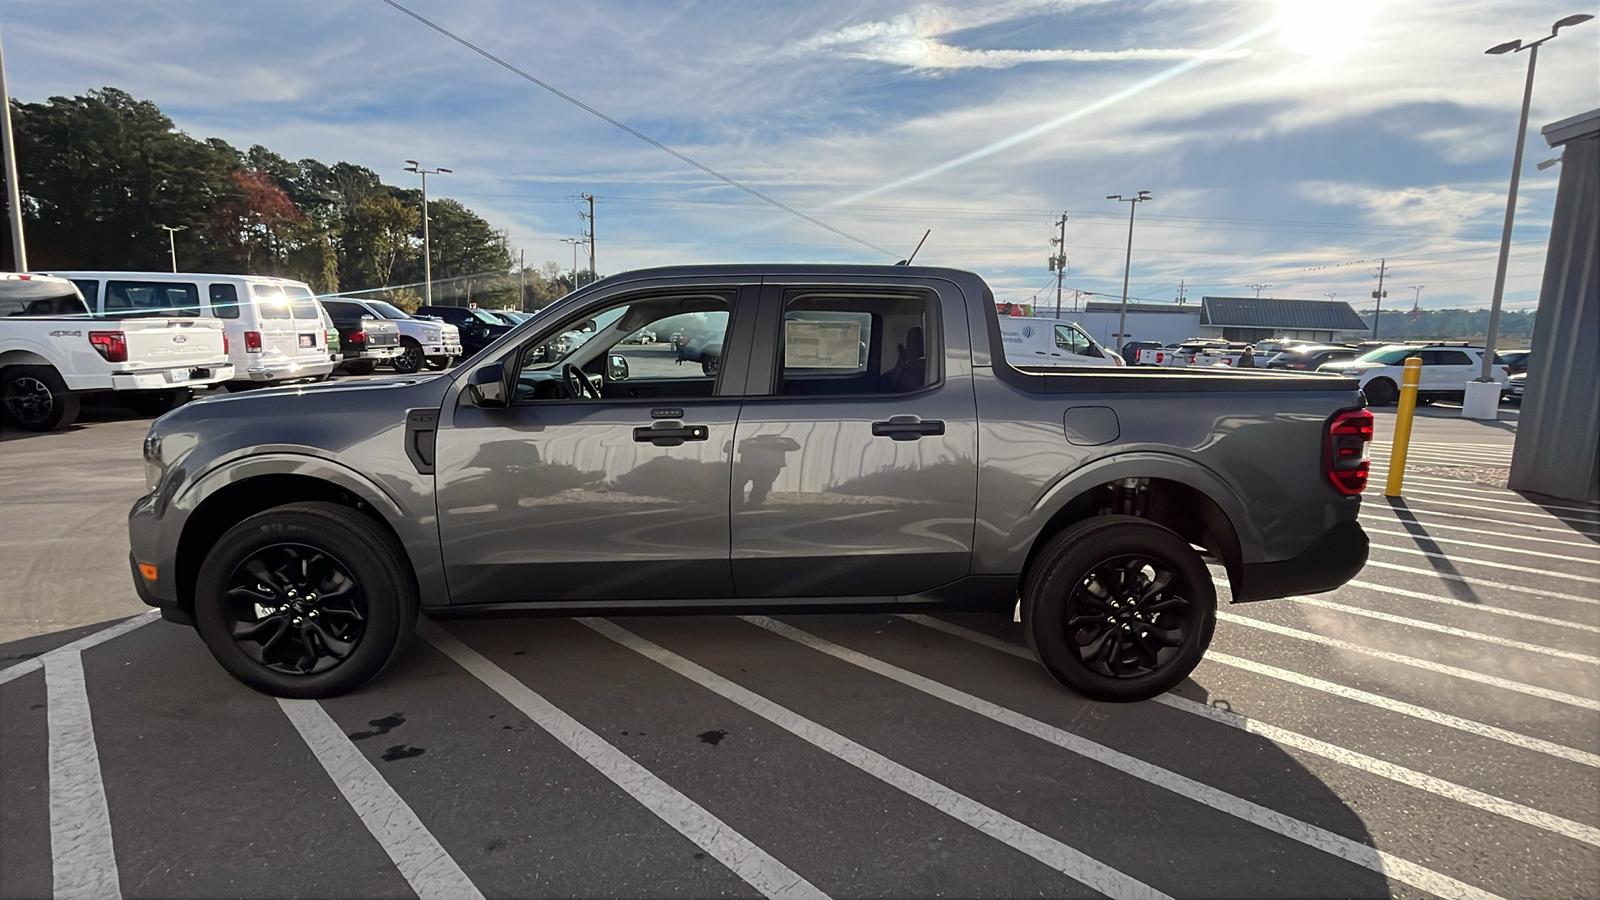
(172,244)
(1516,46)
(576,243)
(1127,263)
(427,249)
(1258,288)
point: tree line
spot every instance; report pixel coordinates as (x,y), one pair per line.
(1515,327)
(101,173)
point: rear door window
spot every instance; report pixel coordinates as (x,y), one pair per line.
(271,301)
(152,298)
(224,301)
(854,345)
(90,288)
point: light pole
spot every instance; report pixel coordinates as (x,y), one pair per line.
(575,242)
(1516,46)
(1258,288)
(1127,263)
(19,248)
(172,243)
(427,246)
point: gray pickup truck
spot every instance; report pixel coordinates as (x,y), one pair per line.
(862,443)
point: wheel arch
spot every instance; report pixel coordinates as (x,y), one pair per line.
(23,357)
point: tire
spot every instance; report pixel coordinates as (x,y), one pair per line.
(158,403)
(409,362)
(36,399)
(441,363)
(1057,590)
(1382,392)
(348,548)
(360,366)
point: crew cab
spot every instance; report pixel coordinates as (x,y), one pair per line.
(863,443)
(365,338)
(424,340)
(53,353)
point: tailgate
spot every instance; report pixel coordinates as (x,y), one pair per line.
(155,343)
(381,333)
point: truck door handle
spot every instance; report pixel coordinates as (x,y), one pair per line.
(907,428)
(670,434)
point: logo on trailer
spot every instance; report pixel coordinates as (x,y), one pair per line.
(1027,331)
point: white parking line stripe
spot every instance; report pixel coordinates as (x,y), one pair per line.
(1480,607)
(1501,495)
(1445,629)
(1408,517)
(1514,738)
(1417,551)
(964,809)
(1337,845)
(1428,665)
(1519,551)
(430,871)
(1525,507)
(83,643)
(1509,512)
(1484,582)
(1439,457)
(81,856)
(758,868)
(1449,790)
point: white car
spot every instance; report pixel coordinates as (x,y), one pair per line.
(1446,369)
(1051,342)
(52,352)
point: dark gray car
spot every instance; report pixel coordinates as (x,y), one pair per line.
(862,443)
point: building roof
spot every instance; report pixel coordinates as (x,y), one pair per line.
(1276,312)
(1571,128)
(1111,306)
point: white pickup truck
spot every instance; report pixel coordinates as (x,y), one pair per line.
(1179,356)
(52,352)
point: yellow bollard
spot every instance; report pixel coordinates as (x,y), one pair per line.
(1402,425)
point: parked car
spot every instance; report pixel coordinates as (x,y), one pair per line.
(1130,350)
(335,345)
(53,353)
(1309,357)
(1446,369)
(273,324)
(1516,360)
(796,474)
(476,327)
(1031,341)
(1516,386)
(423,340)
(365,338)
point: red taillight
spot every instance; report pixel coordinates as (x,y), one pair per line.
(357,337)
(225,350)
(113,345)
(1345,459)
(252,342)
(1160,357)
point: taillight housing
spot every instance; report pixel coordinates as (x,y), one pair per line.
(1344,457)
(252,342)
(225,350)
(112,345)
(1160,358)
(357,337)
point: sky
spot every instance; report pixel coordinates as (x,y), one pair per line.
(1285,143)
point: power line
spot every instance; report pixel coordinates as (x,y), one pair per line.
(636,133)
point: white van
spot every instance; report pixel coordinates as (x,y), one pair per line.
(1051,342)
(274,325)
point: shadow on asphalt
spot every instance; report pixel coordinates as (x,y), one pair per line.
(1419,534)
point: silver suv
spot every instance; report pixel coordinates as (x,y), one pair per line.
(1446,369)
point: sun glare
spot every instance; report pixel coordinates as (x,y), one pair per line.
(1324,29)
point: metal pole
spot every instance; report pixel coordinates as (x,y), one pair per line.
(1377,309)
(1127,263)
(1505,233)
(1402,425)
(522,279)
(19,248)
(427,247)
(172,247)
(1061,257)
(593,272)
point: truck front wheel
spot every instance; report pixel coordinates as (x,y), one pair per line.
(1119,608)
(308,600)
(410,358)
(36,399)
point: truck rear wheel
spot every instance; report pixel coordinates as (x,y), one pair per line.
(360,366)
(35,398)
(1119,608)
(158,403)
(308,600)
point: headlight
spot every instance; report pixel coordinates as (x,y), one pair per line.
(431,334)
(152,461)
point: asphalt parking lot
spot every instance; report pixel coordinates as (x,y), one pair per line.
(1431,728)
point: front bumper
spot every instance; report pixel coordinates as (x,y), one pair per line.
(1333,559)
(166,379)
(442,350)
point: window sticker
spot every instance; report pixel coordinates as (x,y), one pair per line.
(821,345)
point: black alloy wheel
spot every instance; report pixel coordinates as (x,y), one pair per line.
(295,609)
(1119,608)
(35,398)
(307,600)
(1381,392)
(410,359)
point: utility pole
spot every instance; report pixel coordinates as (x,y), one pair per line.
(19,248)
(1058,261)
(1127,263)
(1182,291)
(427,247)
(1378,295)
(522,279)
(1258,288)
(593,273)
(172,244)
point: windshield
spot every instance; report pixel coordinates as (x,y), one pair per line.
(388,311)
(1388,356)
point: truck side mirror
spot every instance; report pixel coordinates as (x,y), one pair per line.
(617,368)
(487,387)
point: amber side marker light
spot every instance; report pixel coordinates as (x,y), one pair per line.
(147,571)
